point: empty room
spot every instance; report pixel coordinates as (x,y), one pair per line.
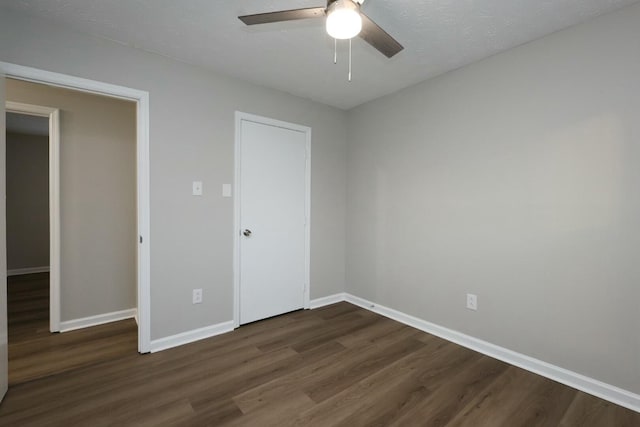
(332,213)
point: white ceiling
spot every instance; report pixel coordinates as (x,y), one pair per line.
(297,57)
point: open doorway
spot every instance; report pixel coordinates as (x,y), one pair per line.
(94,252)
(27,194)
(28,257)
(141,100)
(32,230)
(32,172)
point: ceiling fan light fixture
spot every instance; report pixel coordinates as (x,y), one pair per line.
(343,19)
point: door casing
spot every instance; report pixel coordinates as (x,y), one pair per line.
(4,333)
(53,115)
(239,118)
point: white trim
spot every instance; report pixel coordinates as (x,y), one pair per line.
(27,270)
(328,300)
(143,224)
(191,336)
(29,109)
(239,117)
(54,202)
(572,379)
(307,228)
(54,221)
(142,146)
(236,222)
(100,319)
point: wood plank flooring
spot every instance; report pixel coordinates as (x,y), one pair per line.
(334,366)
(34,352)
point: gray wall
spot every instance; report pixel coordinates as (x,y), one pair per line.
(192,137)
(97,198)
(27,200)
(515,178)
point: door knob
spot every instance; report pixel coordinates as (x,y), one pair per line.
(247,232)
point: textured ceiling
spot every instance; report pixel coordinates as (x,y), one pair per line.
(297,57)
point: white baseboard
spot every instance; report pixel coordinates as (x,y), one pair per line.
(328,300)
(85,322)
(191,336)
(572,379)
(224,327)
(27,270)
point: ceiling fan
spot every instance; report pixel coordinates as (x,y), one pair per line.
(344,21)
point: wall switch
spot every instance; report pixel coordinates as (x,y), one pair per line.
(197,188)
(472,302)
(197,296)
(226,190)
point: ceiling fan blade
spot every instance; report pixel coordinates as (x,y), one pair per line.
(283,15)
(379,38)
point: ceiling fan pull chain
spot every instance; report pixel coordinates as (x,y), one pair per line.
(335,51)
(349,59)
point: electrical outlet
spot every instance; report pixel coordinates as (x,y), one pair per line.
(197,296)
(472,302)
(196,188)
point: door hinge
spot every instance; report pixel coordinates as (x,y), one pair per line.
(140,239)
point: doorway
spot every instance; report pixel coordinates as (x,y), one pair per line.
(141,100)
(33,182)
(97,225)
(28,224)
(272,202)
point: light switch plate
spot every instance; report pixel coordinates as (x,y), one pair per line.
(197,188)
(472,302)
(226,190)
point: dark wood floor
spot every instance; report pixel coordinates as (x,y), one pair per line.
(34,352)
(335,366)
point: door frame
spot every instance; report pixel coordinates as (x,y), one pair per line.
(53,114)
(141,98)
(239,118)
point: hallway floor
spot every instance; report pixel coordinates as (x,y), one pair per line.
(34,352)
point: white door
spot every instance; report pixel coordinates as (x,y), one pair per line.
(4,357)
(273,209)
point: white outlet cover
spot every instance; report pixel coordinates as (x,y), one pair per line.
(197,296)
(197,188)
(226,190)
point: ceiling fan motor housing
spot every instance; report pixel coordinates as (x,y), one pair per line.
(344,20)
(330,2)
